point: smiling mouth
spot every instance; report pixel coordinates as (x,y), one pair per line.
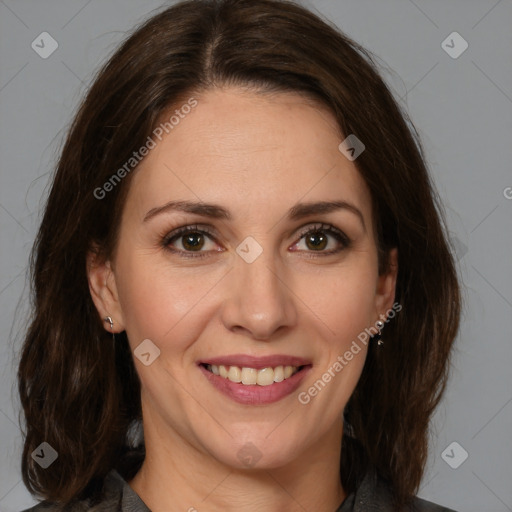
(252,376)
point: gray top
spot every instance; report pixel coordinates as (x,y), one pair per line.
(371,496)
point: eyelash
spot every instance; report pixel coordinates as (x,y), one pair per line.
(179,232)
(204,230)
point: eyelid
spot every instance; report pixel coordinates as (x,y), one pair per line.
(322,226)
(180,231)
(331,230)
(201,228)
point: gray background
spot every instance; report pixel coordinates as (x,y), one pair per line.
(463,110)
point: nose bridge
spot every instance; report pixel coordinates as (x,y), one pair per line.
(262,281)
(258,299)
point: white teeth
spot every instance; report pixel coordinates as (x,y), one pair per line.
(252,376)
(235,374)
(288,370)
(249,376)
(266,376)
(279,374)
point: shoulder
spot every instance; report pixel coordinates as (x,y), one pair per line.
(48,506)
(420,505)
(373,495)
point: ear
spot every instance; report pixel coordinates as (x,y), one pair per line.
(103,289)
(386,285)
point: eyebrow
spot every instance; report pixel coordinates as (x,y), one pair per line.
(199,208)
(302,210)
(214,211)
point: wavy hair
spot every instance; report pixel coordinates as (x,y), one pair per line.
(80,392)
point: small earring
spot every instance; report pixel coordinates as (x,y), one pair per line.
(111,322)
(379,324)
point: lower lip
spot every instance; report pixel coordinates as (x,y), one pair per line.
(254,394)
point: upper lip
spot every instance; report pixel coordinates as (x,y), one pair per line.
(242,360)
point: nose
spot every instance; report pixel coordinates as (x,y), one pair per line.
(259,300)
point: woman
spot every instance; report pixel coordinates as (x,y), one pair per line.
(243,258)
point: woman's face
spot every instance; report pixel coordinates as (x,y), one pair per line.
(278,268)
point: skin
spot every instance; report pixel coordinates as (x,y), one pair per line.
(257,155)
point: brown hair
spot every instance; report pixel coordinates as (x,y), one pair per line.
(80,392)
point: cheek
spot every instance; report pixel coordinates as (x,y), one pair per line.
(342,300)
(161,302)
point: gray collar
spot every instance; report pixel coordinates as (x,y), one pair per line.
(127,499)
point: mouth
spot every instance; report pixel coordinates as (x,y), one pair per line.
(255,381)
(253,376)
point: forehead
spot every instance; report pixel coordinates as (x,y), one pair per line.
(249,149)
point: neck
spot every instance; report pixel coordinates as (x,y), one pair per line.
(176,476)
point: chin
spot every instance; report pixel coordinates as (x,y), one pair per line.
(257,453)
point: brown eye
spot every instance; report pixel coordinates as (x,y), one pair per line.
(323,239)
(193,241)
(316,241)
